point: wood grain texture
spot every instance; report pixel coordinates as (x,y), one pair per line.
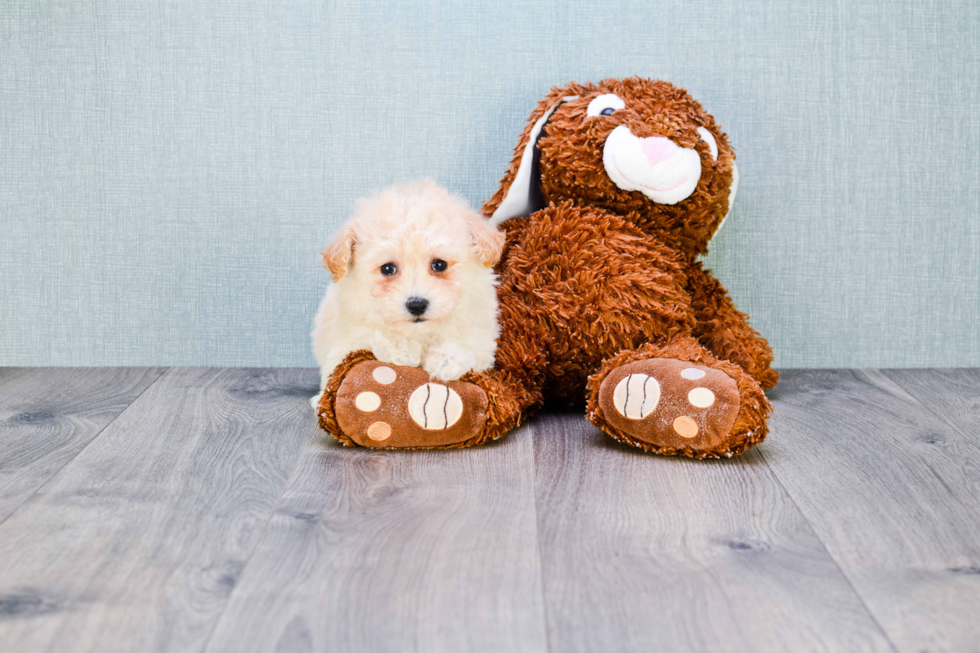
(48,415)
(137,543)
(396,551)
(172,524)
(893,491)
(643,553)
(952,395)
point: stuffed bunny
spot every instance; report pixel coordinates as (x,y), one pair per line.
(614,192)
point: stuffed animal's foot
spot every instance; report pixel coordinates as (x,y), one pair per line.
(393,407)
(701,409)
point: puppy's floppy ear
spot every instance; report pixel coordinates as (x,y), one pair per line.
(337,255)
(520,189)
(488,239)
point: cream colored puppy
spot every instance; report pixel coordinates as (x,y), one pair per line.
(413,283)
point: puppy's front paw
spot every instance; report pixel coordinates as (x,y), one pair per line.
(399,357)
(448,363)
(406,353)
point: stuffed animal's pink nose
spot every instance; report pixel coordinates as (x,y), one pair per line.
(658,149)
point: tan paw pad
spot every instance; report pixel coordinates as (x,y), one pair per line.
(701,397)
(685,427)
(435,407)
(379,431)
(636,396)
(384,375)
(367,402)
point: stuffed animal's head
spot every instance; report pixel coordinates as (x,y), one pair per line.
(631,146)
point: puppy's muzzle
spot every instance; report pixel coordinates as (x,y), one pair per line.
(417,306)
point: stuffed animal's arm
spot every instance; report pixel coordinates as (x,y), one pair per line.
(725,331)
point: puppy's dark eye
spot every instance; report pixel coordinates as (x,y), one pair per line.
(438,265)
(607,112)
(388,269)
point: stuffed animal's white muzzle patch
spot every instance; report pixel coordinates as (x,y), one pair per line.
(656,166)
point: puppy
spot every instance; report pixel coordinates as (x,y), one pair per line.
(413,283)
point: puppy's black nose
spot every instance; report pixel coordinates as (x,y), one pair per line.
(416,305)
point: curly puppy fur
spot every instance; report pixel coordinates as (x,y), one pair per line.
(408,229)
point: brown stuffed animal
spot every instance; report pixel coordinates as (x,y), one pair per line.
(614,191)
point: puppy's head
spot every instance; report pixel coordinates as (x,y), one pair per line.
(410,253)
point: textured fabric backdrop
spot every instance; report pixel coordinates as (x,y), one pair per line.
(170,171)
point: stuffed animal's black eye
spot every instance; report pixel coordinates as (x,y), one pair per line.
(388,269)
(604,105)
(438,265)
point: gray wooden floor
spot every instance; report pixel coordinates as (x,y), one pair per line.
(200,509)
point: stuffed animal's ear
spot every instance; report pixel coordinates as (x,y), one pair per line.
(488,239)
(337,255)
(520,190)
(731,200)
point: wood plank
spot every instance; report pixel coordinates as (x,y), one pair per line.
(894,493)
(48,415)
(644,553)
(396,551)
(137,543)
(952,395)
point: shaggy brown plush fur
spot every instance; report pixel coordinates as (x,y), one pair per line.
(571,158)
(600,277)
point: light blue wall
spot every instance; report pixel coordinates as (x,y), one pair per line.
(169,171)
